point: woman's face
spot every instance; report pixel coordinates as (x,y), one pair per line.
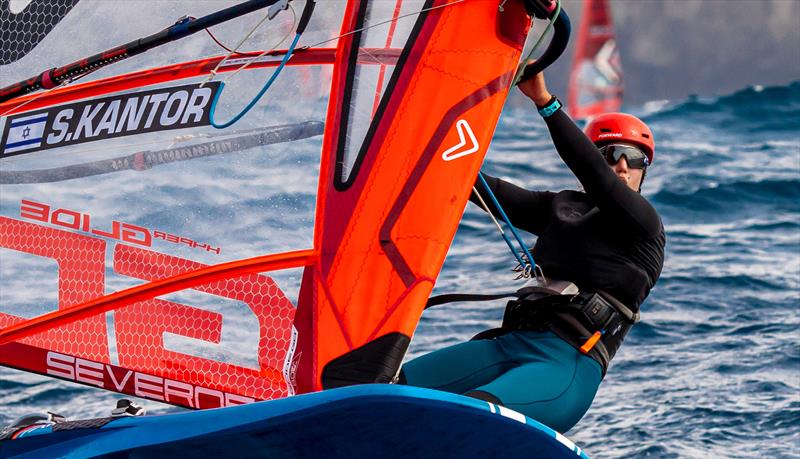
(629,176)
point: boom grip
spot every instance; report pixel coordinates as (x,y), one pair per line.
(562,28)
(541,9)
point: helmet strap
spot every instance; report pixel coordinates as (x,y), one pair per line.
(644,174)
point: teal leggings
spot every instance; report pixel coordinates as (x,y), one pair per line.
(534,373)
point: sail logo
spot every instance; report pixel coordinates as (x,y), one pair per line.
(163,109)
(606,60)
(120,231)
(291,362)
(467,143)
(136,383)
(87,262)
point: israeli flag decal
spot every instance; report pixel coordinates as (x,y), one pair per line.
(25,133)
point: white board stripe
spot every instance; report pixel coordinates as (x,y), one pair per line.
(511,414)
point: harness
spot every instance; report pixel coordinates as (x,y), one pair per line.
(594,323)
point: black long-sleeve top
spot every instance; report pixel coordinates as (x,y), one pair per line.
(607,238)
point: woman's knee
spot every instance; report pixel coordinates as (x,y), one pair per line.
(557,395)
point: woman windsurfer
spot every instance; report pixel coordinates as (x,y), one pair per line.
(605,245)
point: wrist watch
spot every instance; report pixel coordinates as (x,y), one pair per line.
(550,107)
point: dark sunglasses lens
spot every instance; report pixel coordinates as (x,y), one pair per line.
(637,163)
(635,157)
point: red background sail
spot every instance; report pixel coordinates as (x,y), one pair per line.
(595,84)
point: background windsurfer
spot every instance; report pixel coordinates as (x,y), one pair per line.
(605,245)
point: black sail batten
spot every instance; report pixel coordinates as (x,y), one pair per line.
(144,160)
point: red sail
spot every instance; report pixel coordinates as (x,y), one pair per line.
(395,188)
(133,243)
(595,84)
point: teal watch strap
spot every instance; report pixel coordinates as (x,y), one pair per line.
(551,107)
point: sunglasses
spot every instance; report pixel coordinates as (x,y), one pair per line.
(635,157)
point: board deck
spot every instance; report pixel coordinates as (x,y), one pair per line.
(378,420)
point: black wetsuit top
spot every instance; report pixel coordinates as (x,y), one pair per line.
(607,238)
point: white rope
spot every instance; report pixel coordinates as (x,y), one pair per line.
(486,208)
(213,73)
(416,13)
(264,53)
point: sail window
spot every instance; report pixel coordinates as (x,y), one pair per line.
(387,28)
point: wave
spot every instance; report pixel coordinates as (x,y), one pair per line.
(772,226)
(750,98)
(726,282)
(732,197)
(756,109)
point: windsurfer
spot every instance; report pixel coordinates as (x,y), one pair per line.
(605,245)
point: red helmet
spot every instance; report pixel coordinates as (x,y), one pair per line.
(612,127)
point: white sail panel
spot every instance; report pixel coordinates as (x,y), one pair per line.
(387,25)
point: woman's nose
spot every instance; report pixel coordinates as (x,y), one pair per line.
(622,165)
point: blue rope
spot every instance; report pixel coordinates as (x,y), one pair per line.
(511,246)
(513,230)
(258,96)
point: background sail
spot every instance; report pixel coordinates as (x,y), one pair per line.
(595,84)
(115,185)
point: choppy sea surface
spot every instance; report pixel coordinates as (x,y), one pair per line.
(713,369)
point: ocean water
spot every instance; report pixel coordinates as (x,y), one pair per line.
(713,369)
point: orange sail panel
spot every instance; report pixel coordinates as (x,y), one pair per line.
(595,84)
(394,189)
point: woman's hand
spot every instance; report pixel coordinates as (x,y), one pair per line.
(536,89)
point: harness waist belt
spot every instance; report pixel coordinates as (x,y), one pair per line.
(593,323)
